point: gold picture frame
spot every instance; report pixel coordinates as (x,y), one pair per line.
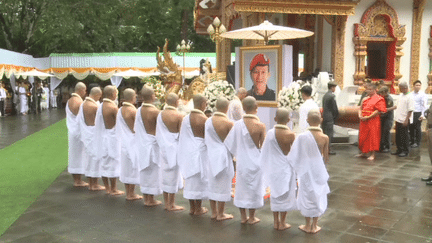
(274,82)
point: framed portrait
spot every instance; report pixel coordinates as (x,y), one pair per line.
(261,73)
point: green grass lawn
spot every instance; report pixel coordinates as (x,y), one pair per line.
(27,169)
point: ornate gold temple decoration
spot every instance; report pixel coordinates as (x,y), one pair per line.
(320,35)
(331,7)
(170,73)
(379,23)
(418,7)
(428,90)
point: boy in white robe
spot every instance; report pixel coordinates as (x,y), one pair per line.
(76,166)
(167,135)
(110,146)
(244,142)
(221,168)
(308,154)
(148,153)
(129,173)
(86,118)
(278,173)
(192,156)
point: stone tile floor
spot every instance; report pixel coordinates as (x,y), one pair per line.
(381,201)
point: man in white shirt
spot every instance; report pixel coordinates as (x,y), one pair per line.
(309,104)
(420,106)
(235,108)
(402,117)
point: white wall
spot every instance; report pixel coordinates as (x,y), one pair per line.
(424,45)
(404,10)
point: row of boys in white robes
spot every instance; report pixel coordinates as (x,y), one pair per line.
(158,163)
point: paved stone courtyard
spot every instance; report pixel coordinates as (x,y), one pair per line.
(381,201)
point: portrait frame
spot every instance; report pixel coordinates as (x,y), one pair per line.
(274,54)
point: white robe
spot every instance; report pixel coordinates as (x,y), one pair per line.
(278,174)
(306,159)
(109,147)
(168,143)
(129,173)
(148,158)
(250,189)
(53,99)
(303,113)
(76,148)
(221,168)
(193,162)
(23,100)
(88,138)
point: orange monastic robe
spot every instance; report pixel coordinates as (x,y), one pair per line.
(370,130)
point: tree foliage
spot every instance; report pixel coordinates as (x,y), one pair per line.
(42,27)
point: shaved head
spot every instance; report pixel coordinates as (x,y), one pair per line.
(147,93)
(198,101)
(222,104)
(403,85)
(314,117)
(129,95)
(249,104)
(110,91)
(282,116)
(172,99)
(241,93)
(80,86)
(95,93)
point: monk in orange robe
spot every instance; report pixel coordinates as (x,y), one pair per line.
(370,123)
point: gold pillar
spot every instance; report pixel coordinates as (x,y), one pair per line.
(429,89)
(320,39)
(418,9)
(338,48)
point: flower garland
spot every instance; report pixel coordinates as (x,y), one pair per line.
(218,89)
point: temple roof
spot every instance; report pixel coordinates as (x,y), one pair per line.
(206,10)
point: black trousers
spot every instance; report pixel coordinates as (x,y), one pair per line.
(328,130)
(402,138)
(2,107)
(415,129)
(386,125)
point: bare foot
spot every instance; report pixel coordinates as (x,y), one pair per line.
(371,158)
(244,221)
(134,197)
(276,226)
(360,156)
(224,217)
(284,226)
(201,211)
(255,220)
(117,193)
(97,188)
(316,230)
(175,208)
(81,184)
(152,204)
(304,228)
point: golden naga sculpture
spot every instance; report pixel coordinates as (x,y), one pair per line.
(170,72)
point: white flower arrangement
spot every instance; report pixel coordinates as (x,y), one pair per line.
(157,87)
(290,97)
(218,89)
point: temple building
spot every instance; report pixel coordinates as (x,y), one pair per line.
(388,40)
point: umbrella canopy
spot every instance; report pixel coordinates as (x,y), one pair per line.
(36,73)
(131,73)
(267,31)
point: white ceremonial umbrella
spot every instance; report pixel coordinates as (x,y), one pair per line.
(36,73)
(267,31)
(131,73)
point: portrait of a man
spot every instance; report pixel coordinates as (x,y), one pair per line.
(260,73)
